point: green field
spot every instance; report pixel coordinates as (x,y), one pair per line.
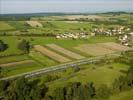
(13,59)
(45,61)
(19,69)
(12,42)
(5,26)
(99,74)
(127,95)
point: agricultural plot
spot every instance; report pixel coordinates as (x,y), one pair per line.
(101,48)
(44,60)
(21,68)
(65,51)
(115,46)
(98,74)
(93,49)
(51,54)
(34,23)
(5,26)
(10,59)
(16,63)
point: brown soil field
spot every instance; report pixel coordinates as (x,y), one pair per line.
(34,23)
(51,54)
(65,51)
(16,63)
(101,48)
(93,49)
(115,46)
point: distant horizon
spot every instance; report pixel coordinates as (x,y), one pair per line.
(64,6)
(67,12)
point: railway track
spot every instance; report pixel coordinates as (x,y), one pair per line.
(59,67)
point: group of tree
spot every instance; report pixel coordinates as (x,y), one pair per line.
(3,46)
(22,89)
(24,46)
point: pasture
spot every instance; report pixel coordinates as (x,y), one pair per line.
(126,95)
(99,74)
(5,26)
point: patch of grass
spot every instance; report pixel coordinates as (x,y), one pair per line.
(13,59)
(127,95)
(18,24)
(37,56)
(19,69)
(12,43)
(99,74)
(5,26)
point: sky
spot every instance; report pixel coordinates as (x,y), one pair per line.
(68,6)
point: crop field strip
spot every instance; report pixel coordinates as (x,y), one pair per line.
(16,63)
(102,48)
(94,49)
(51,54)
(5,26)
(115,46)
(65,51)
(42,59)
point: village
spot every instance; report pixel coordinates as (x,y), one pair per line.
(125,37)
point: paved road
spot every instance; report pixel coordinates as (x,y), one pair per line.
(60,67)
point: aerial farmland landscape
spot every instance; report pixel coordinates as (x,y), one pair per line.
(56,50)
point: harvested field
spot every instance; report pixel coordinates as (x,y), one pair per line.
(34,23)
(51,54)
(101,48)
(16,63)
(93,49)
(65,51)
(115,46)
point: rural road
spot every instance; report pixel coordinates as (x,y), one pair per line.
(59,67)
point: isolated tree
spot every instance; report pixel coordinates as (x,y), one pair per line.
(3,46)
(24,46)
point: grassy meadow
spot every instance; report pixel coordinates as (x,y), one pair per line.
(99,74)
